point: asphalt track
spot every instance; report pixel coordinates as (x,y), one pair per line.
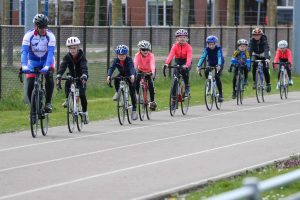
(147,159)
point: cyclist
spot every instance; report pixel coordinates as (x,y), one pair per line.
(214,55)
(182,51)
(284,54)
(144,62)
(125,66)
(240,57)
(38,51)
(260,48)
(76,62)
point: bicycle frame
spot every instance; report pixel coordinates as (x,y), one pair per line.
(259,81)
(283,79)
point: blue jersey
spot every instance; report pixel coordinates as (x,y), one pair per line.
(38,49)
(214,57)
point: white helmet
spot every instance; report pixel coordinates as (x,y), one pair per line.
(242,41)
(181,32)
(72,41)
(144,45)
(282,44)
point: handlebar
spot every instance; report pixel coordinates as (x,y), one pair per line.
(171,67)
(118,77)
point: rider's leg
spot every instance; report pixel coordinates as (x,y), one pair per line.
(49,85)
(219,83)
(233,83)
(132,95)
(137,85)
(151,87)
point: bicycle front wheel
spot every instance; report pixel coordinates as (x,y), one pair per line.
(44,117)
(185,102)
(34,113)
(240,90)
(208,95)
(141,103)
(79,117)
(121,106)
(216,95)
(147,102)
(70,113)
(173,101)
(128,107)
(286,91)
(259,90)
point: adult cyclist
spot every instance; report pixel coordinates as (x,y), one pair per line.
(38,51)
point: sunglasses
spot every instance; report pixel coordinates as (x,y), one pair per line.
(144,49)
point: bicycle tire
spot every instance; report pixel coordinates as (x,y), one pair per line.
(240,92)
(70,113)
(147,104)
(79,116)
(216,95)
(44,117)
(185,102)
(286,92)
(141,103)
(34,121)
(121,106)
(259,87)
(129,107)
(173,100)
(281,85)
(208,95)
(237,89)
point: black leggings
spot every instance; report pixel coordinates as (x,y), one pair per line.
(49,86)
(131,91)
(218,79)
(150,85)
(82,95)
(265,70)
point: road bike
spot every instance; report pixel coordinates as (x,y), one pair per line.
(283,79)
(177,92)
(144,97)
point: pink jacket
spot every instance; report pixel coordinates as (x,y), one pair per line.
(182,52)
(144,64)
(286,55)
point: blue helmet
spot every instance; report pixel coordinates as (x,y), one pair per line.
(121,49)
(211,39)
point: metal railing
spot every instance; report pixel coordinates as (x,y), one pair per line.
(253,188)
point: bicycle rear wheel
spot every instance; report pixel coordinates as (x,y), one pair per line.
(185,102)
(281,85)
(147,103)
(121,106)
(34,113)
(237,89)
(208,95)
(129,107)
(259,90)
(286,91)
(141,104)
(216,95)
(70,113)
(240,90)
(79,117)
(44,117)
(173,101)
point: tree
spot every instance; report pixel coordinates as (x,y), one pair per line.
(117,19)
(5,18)
(176,12)
(185,11)
(271,12)
(242,12)
(230,12)
(97,12)
(76,13)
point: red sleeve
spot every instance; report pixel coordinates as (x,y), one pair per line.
(290,56)
(276,59)
(152,63)
(189,56)
(171,54)
(135,61)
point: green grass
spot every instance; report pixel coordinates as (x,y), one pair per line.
(281,167)
(14,113)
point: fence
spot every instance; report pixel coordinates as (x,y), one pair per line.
(252,188)
(98,44)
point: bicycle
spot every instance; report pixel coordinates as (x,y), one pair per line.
(37,103)
(283,79)
(74,110)
(239,84)
(260,85)
(144,97)
(177,92)
(124,103)
(211,93)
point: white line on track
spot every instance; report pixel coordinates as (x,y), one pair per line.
(142,127)
(146,142)
(142,165)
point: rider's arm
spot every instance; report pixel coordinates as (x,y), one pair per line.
(248,60)
(63,66)
(290,56)
(171,54)
(131,66)
(276,59)
(266,47)
(83,66)
(220,57)
(152,63)
(51,48)
(189,56)
(233,59)
(112,68)
(25,49)
(136,60)
(202,58)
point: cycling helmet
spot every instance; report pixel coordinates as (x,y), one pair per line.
(144,45)
(282,44)
(211,39)
(72,41)
(121,49)
(181,32)
(41,20)
(257,31)
(242,41)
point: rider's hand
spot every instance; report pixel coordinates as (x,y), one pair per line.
(152,75)
(184,66)
(58,81)
(165,65)
(267,61)
(198,70)
(132,78)
(218,68)
(25,68)
(83,78)
(108,79)
(45,69)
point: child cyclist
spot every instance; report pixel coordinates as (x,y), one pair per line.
(283,54)
(214,55)
(144,62)
(183,53)
(240,57)
(76,62)
(125,66)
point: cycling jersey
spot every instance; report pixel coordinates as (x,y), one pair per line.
(260,47)
(283,56)
(181,52)
(241,56)
(214,57)
(144,63)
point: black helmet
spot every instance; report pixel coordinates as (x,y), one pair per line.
(41,20)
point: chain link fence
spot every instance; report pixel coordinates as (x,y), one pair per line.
(98,44)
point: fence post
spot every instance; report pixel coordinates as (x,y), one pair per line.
(221,35)
(252,183)
(0,61)
(189,34)
(84,40)
(108,48)
(170,45)
(236,36)
(150,32)
(130,40)
(58,48)
(276,35)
